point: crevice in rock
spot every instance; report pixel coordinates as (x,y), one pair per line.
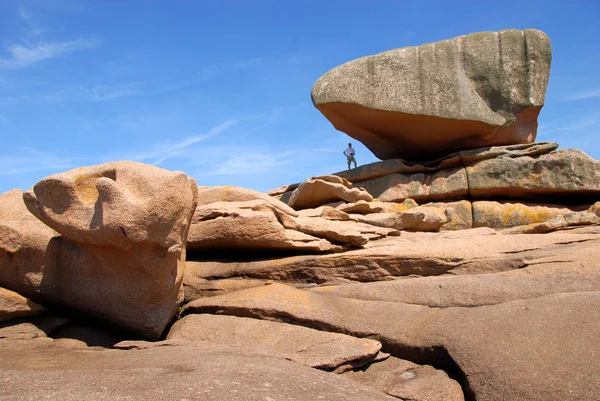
(436,356)
(557,244)
(245,255)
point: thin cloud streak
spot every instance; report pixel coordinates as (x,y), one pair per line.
(588,121)
(166,152)
(80,93)
(24,56)
(30,24)
(583,95)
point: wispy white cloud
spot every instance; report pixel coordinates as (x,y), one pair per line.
(163,152)
(588,121)
(108,92)
(24,55)
(78,93)
(209,71)
(581,95)
(31,26)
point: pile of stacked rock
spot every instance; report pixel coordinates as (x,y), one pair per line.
(464,266)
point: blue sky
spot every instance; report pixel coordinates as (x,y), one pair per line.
(221,89)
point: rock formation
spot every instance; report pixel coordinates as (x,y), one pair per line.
(470,274)
(121,253)
(423,102)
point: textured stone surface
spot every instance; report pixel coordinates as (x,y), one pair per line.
(364,207)
(417,103)
(208,195)
(14,305)
(121,255)
(341,232)
(459,214)
(417,219)
(422,187)
(318,191)
(23,243)
(525,349)
(408,381)
(480,289)
(166,373)
(253,224)
(317,349)
(595,209)
(326,212)
(574,219)
(461,158)
(558,174)
(461,252)
(510,214)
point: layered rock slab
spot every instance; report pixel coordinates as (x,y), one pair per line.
(213,194)
(535,349)
(424,102)
(461,158)
(166,373)
(548,276)
(502,215)
(14,305)
(317,349)
(121,253)
(254,224)
(417,219)
(462,252)
(557,174)
(318,191)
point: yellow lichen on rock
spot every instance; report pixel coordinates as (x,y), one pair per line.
(85,188)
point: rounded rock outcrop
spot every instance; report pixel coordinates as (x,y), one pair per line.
(422,102)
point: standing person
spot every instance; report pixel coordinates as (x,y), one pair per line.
(349,153)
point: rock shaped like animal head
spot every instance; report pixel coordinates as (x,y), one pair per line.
(117,203)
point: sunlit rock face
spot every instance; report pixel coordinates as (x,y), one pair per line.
(423,102)
(121,253)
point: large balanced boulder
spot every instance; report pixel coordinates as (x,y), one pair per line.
(423,102)
(121,256)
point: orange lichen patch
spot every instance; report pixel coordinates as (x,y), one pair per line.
(408,203)
(85,188)
(506,215)
(522,214)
